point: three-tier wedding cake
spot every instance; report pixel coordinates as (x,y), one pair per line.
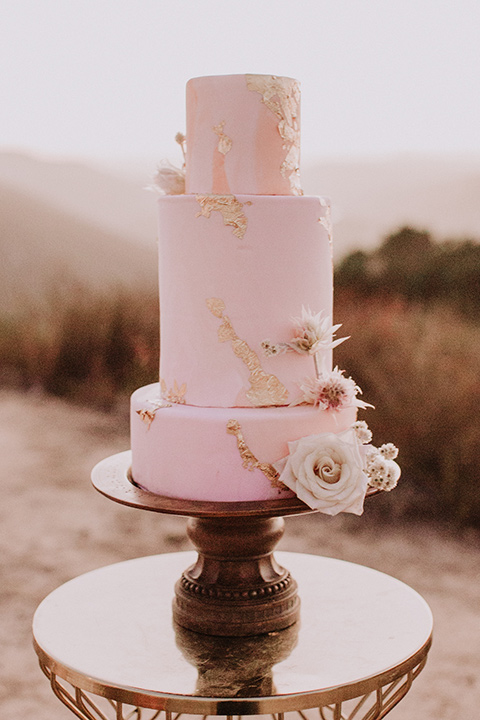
(248,407)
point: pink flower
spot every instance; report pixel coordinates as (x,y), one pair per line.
(332,391)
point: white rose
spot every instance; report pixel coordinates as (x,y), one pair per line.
(326,472)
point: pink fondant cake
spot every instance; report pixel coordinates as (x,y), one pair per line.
(248,407)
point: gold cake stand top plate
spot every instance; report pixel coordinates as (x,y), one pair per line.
(112,478)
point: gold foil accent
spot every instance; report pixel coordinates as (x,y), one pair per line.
(175,394)
(224,142)
(230,209)
(249,461)
(265,389)
(216,306)
(147,415)
(282,97)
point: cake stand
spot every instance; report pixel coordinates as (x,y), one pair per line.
(235,587)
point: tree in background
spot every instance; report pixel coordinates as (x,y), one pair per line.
(410,264)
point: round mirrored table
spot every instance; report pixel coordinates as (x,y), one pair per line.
(107,642)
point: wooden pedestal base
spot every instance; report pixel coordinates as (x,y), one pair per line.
(235,588)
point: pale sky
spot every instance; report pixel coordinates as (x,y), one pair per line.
(106,78)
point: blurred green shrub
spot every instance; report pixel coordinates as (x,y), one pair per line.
(410,264)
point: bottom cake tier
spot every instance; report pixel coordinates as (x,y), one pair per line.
(219,454)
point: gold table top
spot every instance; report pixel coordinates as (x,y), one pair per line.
(110,632)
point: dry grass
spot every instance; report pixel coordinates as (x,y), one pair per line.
(421,370)
(89,348)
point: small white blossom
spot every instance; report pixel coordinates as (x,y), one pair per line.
(270,348)
(376,467)
(362,431)
(389,451)
(382,472)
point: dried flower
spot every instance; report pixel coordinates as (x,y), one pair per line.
(146,416)
(376,466)
(332,391)
(270,348)
(169,180)
(314,333)
(389,451)
(181,140)
(382,472)
(362,431)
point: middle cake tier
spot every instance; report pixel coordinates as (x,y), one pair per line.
(235,271)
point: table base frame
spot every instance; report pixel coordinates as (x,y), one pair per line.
(374,705)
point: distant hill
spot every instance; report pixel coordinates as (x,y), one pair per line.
(43,247)
(112,202)
(108,218)
(372,199)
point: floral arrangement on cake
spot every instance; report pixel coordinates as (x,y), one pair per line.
(331,472)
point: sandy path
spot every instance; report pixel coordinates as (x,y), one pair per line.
(54,526)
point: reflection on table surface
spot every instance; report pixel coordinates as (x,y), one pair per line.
(113,626)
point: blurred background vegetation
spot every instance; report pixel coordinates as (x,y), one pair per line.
(411,308)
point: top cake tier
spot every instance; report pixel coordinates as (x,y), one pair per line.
(243,135)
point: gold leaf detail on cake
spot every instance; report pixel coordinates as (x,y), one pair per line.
(224,142)
(282,97)
(147,415)
(265,389)
(230,209)
(216,306)
(175,394)
(249,461)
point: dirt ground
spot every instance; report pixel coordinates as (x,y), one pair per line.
(54,526)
